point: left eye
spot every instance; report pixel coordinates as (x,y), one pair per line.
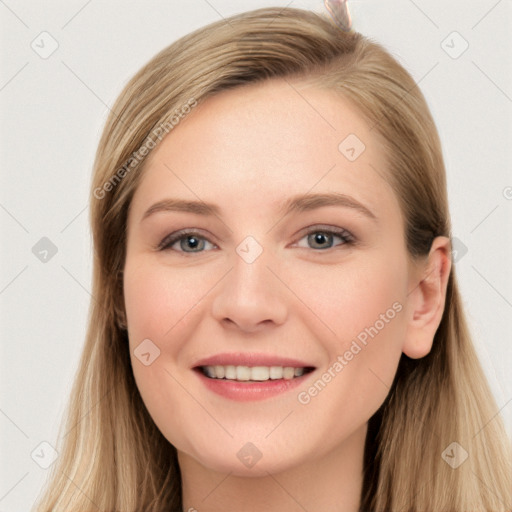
(321,238)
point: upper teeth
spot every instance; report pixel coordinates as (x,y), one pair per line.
(252,372)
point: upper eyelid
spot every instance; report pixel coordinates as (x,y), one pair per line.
(178,235)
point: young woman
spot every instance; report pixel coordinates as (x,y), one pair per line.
(276,322)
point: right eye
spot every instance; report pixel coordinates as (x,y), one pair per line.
(187,240)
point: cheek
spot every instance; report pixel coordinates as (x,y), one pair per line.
(156,303)
(363,305)
(165,305)
(159,303)
(158,298)
(354,295)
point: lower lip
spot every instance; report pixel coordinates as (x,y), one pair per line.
(247,391)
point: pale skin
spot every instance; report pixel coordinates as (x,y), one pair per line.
(248,150)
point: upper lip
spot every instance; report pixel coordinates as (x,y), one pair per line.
(250,359)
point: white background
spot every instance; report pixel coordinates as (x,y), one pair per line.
(51,115)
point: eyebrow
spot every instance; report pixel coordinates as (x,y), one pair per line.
(300,203)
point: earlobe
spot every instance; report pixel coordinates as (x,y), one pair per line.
(426,301)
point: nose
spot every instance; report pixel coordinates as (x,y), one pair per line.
(250,297)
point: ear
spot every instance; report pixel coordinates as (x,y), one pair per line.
(427,297)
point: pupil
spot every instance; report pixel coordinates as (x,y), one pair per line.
(320,238)
(192,241)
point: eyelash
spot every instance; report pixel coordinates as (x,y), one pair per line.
(170,240)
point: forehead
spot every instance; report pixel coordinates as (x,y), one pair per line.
(270,119)
(256,145)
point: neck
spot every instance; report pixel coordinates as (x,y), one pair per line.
(331,483)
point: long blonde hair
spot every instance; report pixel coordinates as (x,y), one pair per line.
(112,456)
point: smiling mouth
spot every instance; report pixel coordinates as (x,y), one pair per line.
(251,374)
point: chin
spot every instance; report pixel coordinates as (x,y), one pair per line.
(248,460)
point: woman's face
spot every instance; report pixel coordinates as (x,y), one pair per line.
(301,263)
